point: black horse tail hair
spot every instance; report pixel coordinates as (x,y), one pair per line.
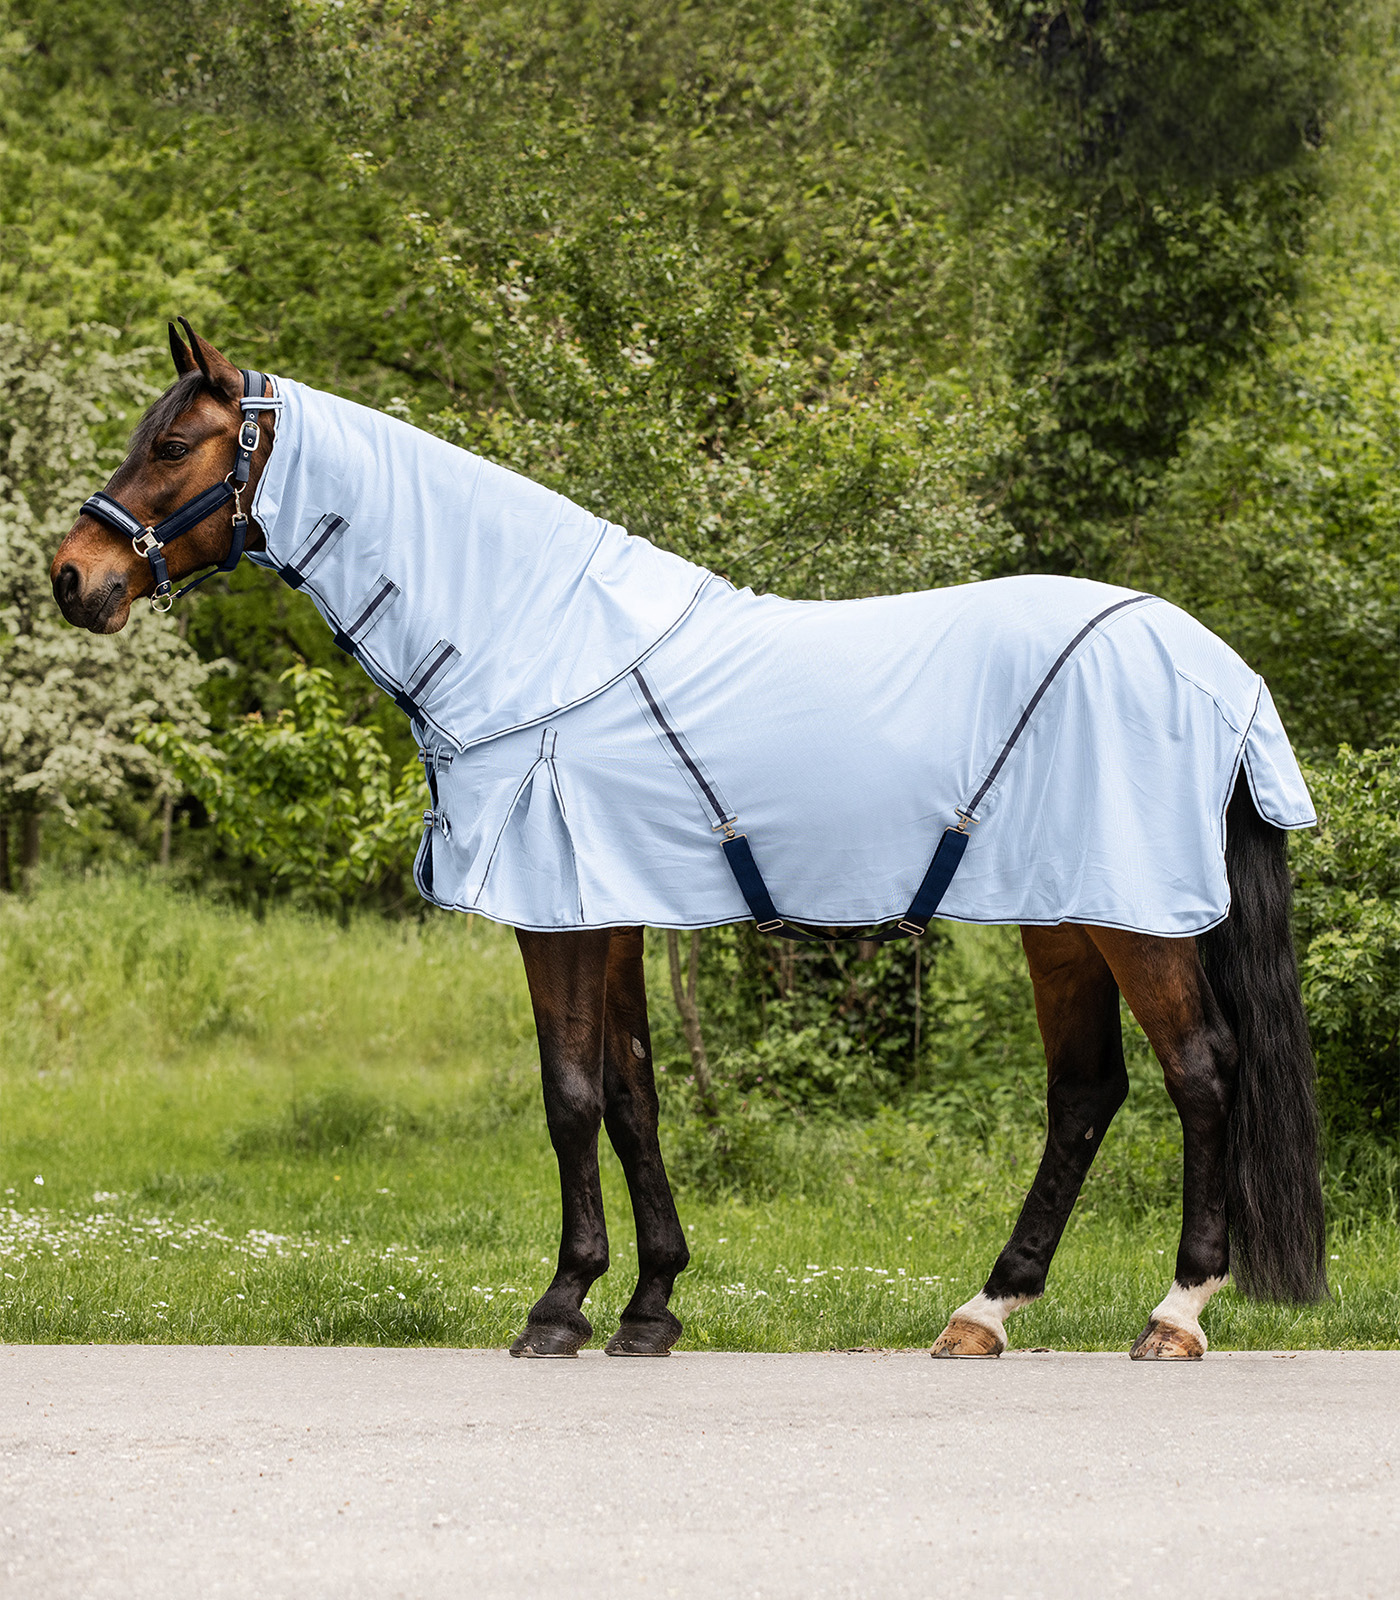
(1274,1191)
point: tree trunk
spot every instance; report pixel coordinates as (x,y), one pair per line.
(7,882)
(29,847)
(685,998)
(167,823)
(918,1007)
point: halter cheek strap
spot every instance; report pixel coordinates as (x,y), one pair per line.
(150,542)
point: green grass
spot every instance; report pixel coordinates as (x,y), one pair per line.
(281,1130)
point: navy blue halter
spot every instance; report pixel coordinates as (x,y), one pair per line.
(151,541)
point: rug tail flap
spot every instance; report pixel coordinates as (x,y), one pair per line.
(1275,780)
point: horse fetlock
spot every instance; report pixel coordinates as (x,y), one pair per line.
(1173,1331)
(978,1328)
(645,1336)
(552,1332)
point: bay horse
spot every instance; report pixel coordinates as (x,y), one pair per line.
(1221,1009)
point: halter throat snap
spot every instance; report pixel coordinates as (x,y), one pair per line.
(151,541)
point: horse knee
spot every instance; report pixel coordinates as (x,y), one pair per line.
(573,1110)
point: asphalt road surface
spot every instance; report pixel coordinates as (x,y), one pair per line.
(147,1473)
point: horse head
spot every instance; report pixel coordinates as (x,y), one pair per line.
(187,445)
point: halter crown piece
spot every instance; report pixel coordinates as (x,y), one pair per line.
(151,541)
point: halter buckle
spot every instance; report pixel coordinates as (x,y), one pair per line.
(249,435)
(145,542)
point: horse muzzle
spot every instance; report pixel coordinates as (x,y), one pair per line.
(100,603)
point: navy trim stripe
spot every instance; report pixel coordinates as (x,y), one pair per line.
(306,557)
(1039,694)
(383,592)
(722,813)
(431,668)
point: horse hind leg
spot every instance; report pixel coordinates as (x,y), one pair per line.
(1076,1005)
(1164,984)
(647,1327)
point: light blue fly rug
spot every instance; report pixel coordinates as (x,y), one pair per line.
(614,736)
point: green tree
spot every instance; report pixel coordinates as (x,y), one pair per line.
(71,704)
(1177,146)
(1277,523)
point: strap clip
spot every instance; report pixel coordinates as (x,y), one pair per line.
(438,820)
(145,542)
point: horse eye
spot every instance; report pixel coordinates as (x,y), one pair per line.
(172,450)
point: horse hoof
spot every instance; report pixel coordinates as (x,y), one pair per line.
(1164,1341)
(963,1337)
(548,1344)
(644,1338)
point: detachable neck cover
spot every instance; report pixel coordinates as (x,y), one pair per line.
(481,601)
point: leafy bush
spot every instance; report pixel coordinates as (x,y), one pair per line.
(304,800)
(1348,913)
(946,1031)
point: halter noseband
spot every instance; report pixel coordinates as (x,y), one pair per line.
(151,541)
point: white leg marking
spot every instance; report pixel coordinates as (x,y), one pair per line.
(1182,1307)
(992,1314)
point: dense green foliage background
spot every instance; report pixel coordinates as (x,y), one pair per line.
(837,296)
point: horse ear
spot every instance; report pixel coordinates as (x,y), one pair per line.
(180,351)
(219,372)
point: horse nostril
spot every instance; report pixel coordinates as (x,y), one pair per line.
(68,584)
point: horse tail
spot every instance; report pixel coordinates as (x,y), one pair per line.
(1274,1191)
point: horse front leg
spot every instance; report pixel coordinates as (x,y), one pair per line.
(1076,1005)
(1163,982)
(648,1327)
(567,974)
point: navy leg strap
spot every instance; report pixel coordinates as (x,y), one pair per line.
(927,897)
(755,890)
(912,924)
